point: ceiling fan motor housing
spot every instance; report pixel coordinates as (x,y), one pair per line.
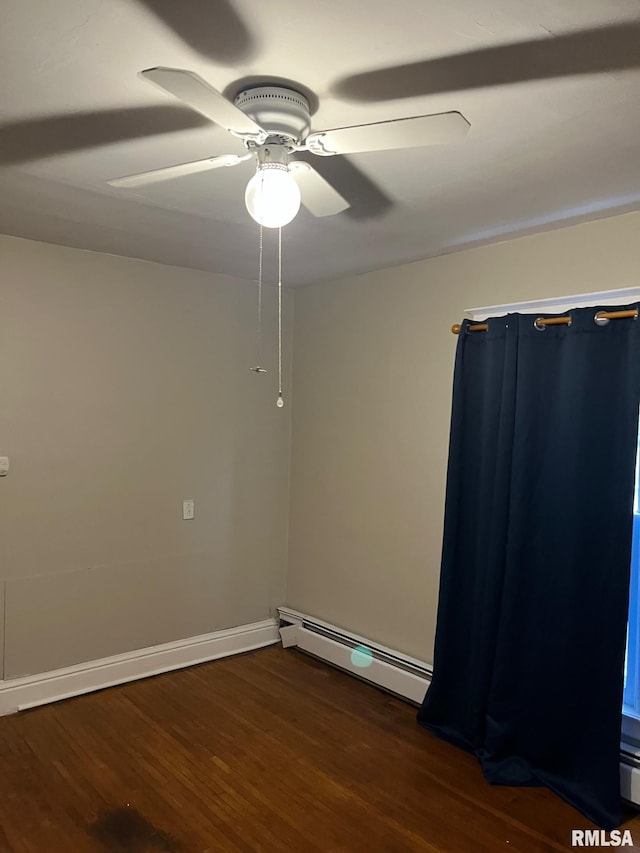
(280,111)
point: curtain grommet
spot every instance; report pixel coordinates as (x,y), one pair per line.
(538,325)
(600,320)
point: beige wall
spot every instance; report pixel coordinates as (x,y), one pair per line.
(373,361)
(125,388)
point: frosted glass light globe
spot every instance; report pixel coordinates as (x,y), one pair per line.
(272,196)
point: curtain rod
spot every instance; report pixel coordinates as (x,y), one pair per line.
(601,318)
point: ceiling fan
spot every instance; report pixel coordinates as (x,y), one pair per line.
(274,122)
(218,33)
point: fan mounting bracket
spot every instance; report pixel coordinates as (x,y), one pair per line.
(280,111)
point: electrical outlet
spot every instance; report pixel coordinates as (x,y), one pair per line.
(188,509)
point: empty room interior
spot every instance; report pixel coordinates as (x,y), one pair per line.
(319,373)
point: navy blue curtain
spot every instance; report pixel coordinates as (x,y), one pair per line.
(532,613)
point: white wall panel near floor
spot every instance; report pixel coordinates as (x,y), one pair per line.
(54,621)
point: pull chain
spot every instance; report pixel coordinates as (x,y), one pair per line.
(280,400)
(257,368)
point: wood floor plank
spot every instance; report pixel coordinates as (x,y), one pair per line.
(270,751)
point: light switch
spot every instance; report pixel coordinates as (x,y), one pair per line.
(188,509)
(4,466)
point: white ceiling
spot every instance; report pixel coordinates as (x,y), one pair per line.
(538,154)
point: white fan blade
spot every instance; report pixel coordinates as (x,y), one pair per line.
(383,135)
(318,196)
(200,96)
(178,171)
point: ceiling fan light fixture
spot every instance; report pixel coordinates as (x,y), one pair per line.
(272,195)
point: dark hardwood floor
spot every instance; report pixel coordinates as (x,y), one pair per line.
(269,751)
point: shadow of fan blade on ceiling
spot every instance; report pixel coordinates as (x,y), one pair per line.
(212,27)
(34,139)
(611,48)
(366,199)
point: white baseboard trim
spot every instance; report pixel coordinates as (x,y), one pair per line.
(394,671)
(19,694)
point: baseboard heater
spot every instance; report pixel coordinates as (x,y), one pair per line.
(630,773)
(399,674)
(393,671)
